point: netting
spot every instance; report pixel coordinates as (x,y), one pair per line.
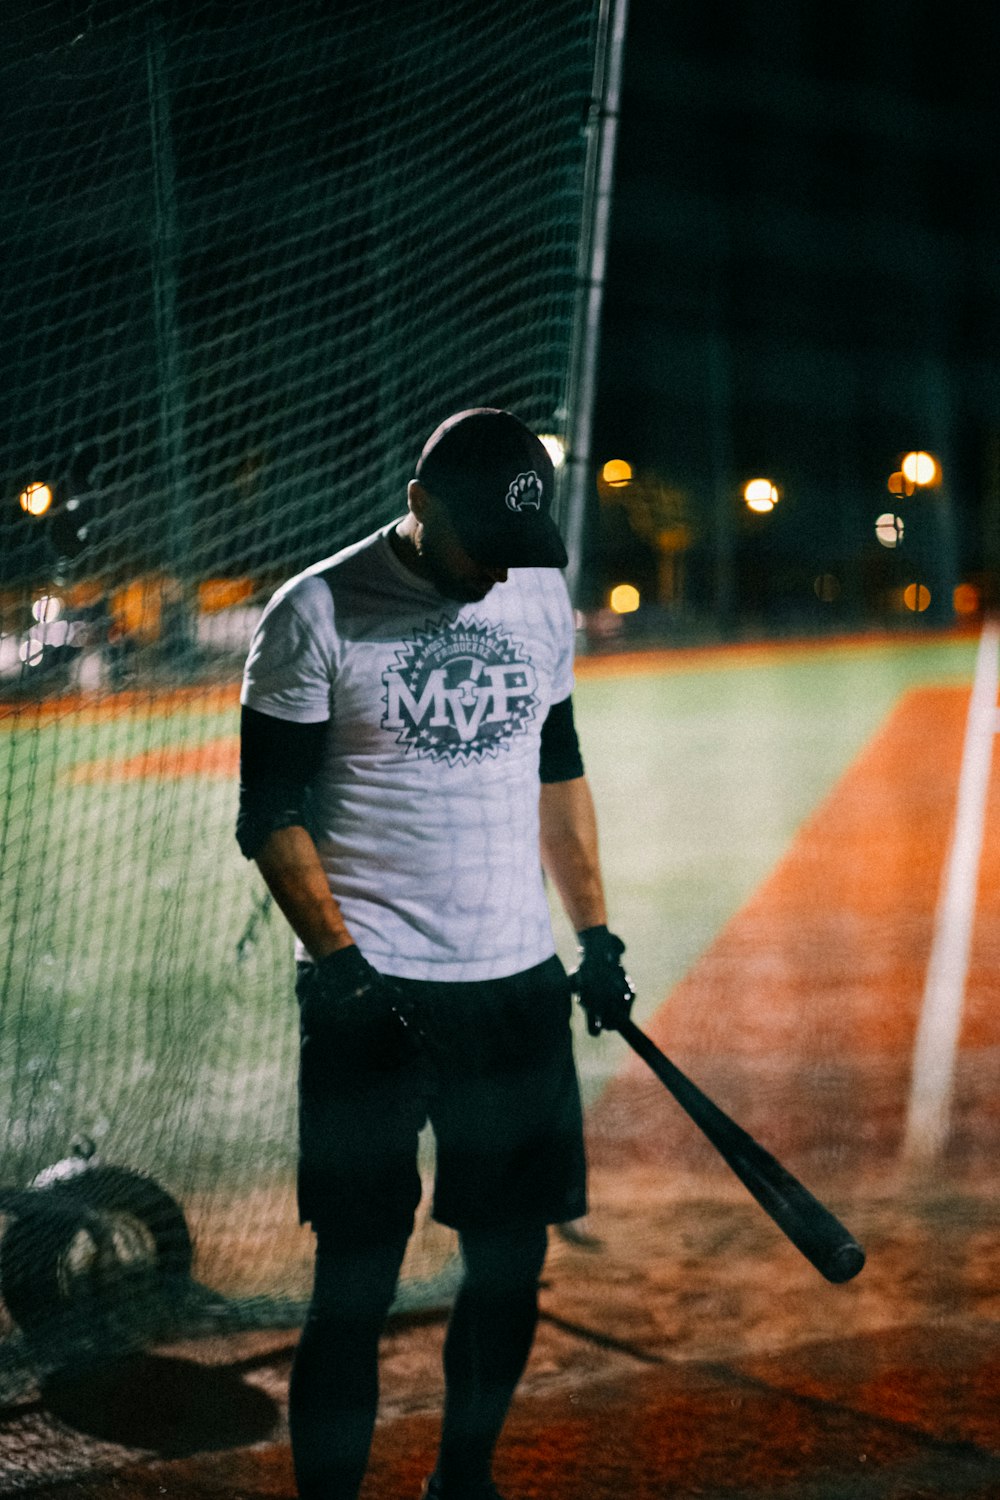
(252,256)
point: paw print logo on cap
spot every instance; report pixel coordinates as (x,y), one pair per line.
(525,492)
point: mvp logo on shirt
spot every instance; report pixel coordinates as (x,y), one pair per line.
(457,692)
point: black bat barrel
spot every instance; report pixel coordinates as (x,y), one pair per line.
(810,1226)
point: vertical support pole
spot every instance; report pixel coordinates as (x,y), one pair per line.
(599,178)
(165,256)
(719,403)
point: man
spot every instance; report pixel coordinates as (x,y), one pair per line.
(409,764)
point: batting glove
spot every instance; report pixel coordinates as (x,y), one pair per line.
(601,984)
(356,1015)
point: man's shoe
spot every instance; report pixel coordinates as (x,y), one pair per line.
(484,1490)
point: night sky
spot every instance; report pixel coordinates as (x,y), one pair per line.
(802,280)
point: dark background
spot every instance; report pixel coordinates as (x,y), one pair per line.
(802,284)
(253,254)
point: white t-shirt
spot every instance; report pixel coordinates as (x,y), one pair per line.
(425,812)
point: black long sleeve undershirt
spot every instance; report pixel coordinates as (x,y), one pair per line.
(278,761)
(560,758)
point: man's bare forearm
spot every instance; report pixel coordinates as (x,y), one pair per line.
(568,831)
(290,865)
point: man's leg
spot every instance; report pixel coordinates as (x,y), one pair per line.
(358,1185)
(489,1337)
(333,1394)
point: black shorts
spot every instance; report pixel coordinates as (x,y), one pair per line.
(498,1083)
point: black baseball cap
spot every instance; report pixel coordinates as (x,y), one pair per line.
(496,480)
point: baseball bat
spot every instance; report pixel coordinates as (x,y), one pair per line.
(810,1226)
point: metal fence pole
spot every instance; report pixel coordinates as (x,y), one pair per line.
(165,247)
(599,177)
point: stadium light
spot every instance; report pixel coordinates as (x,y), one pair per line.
(624,598)
(616,472)
(889,529)
(916,597)
(917,470)
(31,651)
(760,495)
(35,498)
(46,608)
(921,469)
(966,599)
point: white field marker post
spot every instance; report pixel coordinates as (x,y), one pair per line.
(936,1043)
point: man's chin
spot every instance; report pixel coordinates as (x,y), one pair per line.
(462,593)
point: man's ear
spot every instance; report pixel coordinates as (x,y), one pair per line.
(417,499)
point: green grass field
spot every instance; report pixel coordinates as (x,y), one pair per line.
(703,775)
(125,1012)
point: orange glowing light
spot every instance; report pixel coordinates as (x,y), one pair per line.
(617,471)
(916,597)
(965,599)
(760,495)
(921,469)
(35,499)
(624,599)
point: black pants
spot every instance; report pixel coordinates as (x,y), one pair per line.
(334,1389)
(498,1084)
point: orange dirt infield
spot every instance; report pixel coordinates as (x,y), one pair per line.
(694,1352)
(643,661)
(802,1015)
(216,758)
(93,708)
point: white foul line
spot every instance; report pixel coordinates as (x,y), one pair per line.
(936,1044)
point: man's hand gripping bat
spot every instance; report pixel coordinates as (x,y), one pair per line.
(606,995)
